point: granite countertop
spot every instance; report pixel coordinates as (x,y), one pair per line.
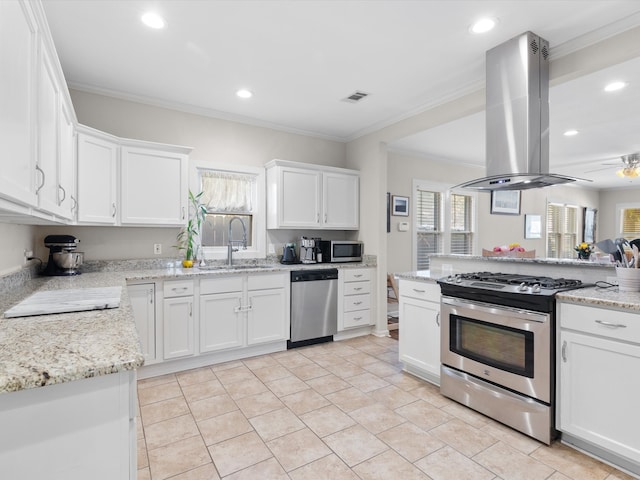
(47,349)
(420,275)
(602,297)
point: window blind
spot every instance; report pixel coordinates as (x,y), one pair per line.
(562,230)
(461,224)
(630,223)
(429,226)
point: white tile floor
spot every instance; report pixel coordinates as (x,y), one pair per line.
(342,410)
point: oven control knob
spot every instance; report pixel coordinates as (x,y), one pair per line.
(458,278)
(522,287)
(535,288)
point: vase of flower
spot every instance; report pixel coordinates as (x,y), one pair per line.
(584,251)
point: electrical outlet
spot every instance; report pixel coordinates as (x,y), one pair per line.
(157,248)
(27,255)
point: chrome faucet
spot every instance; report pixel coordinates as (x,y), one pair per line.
(230,248)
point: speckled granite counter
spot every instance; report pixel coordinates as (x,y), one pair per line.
(420,275)
(603,297)
(48,349)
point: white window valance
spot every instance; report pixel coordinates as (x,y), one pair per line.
(228,192)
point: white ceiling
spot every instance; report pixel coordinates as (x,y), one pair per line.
(300,58)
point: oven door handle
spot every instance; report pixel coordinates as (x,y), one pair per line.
(492,308)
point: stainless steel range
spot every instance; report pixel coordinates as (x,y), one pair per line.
(497,347)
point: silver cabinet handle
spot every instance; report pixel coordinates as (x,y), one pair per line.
(358,275)
(612,325)
(438,318)
(564,351)
(190,309)
(318,217)
(357,319)
(357,303)
(183,213)
(151,296)
(75,202)
(357,289)
(418,291)
(325,218)
(44,176)
(64,194)
(178,289)
(114,210)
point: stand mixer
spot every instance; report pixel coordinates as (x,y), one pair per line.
(63,259)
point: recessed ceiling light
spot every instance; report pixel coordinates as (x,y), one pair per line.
(570,133)
(613,86)
(483,25)
(244,93)
(153,20)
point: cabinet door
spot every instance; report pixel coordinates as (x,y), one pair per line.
(67,198)
(18,55)
(341,201)
(419,338)
(221,321)
(97,187)
(143,304)
(48,108)
(599,392)
(154,187)
(299,198)
(178,327)
(267,316)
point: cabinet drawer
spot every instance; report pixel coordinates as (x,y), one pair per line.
(421,290)
(357,319)
(601,321)
(181,288)
(357,274)
(264,281)
(357,302)
(356,288)
(222,284)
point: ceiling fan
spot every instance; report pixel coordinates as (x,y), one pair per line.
(630,167)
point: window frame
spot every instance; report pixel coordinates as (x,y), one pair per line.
(569,254)
(446,191)
(258,239)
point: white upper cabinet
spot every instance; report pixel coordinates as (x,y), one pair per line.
(97,179)
(18,55)
(154,186)
(130,182)
(312,196)
(67,195)
(47,128)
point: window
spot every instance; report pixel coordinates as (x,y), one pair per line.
(562,230)
(629,221)
(444,222)
(228,193)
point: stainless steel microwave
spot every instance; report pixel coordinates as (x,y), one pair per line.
(336,251)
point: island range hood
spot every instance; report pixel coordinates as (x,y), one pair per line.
(517,117)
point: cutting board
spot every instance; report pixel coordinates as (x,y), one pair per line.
(63,301)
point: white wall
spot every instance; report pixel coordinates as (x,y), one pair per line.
(15,240)
(609,200)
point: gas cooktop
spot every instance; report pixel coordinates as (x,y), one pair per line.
(536,293)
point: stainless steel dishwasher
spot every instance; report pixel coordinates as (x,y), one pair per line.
(314,306)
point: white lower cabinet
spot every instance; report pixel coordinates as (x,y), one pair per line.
(221,322)
(71,431)
(354,298)
(142,297)
(178,320)
(598,362)
(419,338)
(266,316)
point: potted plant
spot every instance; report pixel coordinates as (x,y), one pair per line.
(188,236)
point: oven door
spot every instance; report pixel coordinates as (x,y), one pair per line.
(506,346)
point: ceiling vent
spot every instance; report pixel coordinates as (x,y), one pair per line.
(355,97)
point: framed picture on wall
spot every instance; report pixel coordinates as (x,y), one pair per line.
(505,202)
(400,206)
(589,234)
(388,212)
